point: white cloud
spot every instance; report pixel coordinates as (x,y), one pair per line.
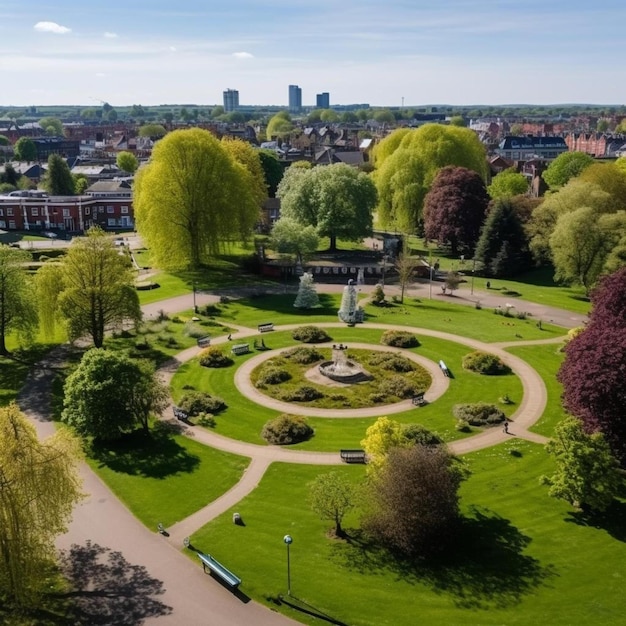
(52,27)
(110,35)
(243,55)
(100,74)
(172,48)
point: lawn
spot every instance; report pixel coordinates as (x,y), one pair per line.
(244,420)
(520,557)
(166,477)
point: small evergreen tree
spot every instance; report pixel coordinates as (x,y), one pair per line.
(58,180)
(307,295)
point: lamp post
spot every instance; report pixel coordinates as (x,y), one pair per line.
(195,306)
(473,269)
(288,541)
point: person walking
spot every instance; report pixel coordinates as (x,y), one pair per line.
(505,426)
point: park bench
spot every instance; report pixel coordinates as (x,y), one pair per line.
(215,567)
(179,414)
(444,368)
(240,348)
(204,342)
(418,399)
(353,456)
(266,328)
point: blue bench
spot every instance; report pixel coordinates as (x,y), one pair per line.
(444,368)
(215,567)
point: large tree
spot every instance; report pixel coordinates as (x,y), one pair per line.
(383,435)
(412,503)
(279,126)
(247,157)
(594,368)
(272,169)
(109,393)
(58,180)
(94,290)
(337,200)
(18,305)
(455,207)
(52,126)
(611,178)
(127,162)
(25,149)
(565,167)
(332,496)
(39,486)
(290,237)
(503,246)
(154,131)
(404,177)
(206,194)
(507,184)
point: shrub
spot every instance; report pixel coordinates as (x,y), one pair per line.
(194,330)
(419,434)
(303,356)
(478,414)
(286,429)
(310,334)
(142,344)
(272,376)
(485,363)
(303,393)
(462,426)
(391,362)
(378,295)
(399,339)
(214,357)
(206,420)
(196,402)
(211,309)
(397,386)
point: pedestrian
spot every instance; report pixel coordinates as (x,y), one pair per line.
(230,337)
(506,426)
(488,285)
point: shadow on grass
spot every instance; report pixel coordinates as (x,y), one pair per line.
(613,520)
(107,589)
(154,455)
(307,609)
(483,567)
(283,304)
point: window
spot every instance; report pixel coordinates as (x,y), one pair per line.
(9,212)
(100,209)
(1,212)
(34,211)
(87,210)
(66,213)
(109,209)
(12,224)
(112,221)
(124,210)
(3,224)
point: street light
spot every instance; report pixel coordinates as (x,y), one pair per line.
(195,307)
(473,269)
(288,541)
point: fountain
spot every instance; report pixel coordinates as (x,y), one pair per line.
(342,370)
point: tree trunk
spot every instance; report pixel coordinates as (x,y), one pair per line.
(333,243)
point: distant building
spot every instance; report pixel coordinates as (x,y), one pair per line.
(231,100)
(526,148)
(295,99)
(322,100)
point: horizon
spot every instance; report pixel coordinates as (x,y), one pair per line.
(458,51)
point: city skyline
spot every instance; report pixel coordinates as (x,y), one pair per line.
(456,52)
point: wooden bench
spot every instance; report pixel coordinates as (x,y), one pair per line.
(444,368)
(418,399)
(179,414)
(240,348)
(204,342)
(215,567)
(353,456)
(266,328)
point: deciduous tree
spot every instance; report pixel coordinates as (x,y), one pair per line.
(290,237)
(566,166)
(455,208)
(39,486)
(208,199)
(52,126)
(272,169)
(248,159)
(127,162)
(331,497)
(380,437)
(58,180)
(405,266)
(25,149)
(154,131)
(507,184)
(280,126)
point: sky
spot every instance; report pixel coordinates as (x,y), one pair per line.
(380,52)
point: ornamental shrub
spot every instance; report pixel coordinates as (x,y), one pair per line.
(286,429)
(485,363)
(397,386)
(310,334)
(302,355)
(214,357)
(478,414)
(399,339)
(303,393)
(391,362)
(272,375)
(197,402)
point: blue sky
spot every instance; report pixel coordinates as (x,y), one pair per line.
(383,52)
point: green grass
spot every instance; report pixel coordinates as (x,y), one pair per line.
(521,557)
(244,420)
(166,477)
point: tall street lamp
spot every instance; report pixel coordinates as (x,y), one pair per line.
(473,270)
(195,306)
(288,541)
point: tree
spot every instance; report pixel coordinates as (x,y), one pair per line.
(566,166)
(337,199)
(58,179)
(405,266)
(109,393)
(10,176)
(507,184)
(452,282)
(280,126)
(94,289)
(458,120)
(81,183)
(331,497)
(246,156)
(503,246)
(592,373)
(154,131)
(602,126)
(384,116)
(455,207)
(581,244)
(405,176)
(307,295)
(290,237)
(329,116)
(609,177)
(272,169)
(127,162)
(587,475)
(383,435)
(52,126)
(208,199)
(25,149)
(4,140)
(39,485)
(413,502)
(18,306)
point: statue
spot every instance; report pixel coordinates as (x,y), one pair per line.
(350,312)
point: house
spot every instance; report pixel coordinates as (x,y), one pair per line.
(529,147)
(113,206)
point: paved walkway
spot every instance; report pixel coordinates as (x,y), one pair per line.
(189,597)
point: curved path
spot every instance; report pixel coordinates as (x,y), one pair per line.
(189,597)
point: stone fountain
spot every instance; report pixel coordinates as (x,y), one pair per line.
(343,370)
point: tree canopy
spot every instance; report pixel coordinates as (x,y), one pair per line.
(272,169)
(337,200)
(39,485)
(58,180)
(280,125)
(331,497)
(566,166)
(127,162)
(25,149)
(290,237)
(52,126)
(507,184)
(209,198)
(154,131)
(18,305)
(455,208)
(247,157)
(405,176)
